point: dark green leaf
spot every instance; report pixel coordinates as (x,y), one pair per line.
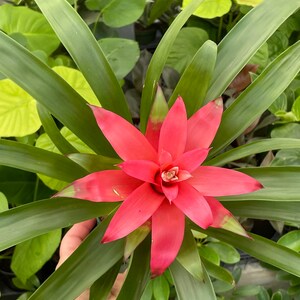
(227,253)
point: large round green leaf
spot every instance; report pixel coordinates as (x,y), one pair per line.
(77,81)
(122,54)
(211,8)
(18,113)
(248,2)
(28,26)
(119,13)
(187,43)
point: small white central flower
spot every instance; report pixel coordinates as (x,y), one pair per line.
(170,175)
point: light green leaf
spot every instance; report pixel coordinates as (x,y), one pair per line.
(210,9)
(187,287)
(188,256)
(3,202)
(296,108)
(248,2)
(122,54)
(247,291)
(31,25)
(226,252)
(257,97)
(291,240)
(243,41)
(96,4)
(18,112)
(161,288)
(44,142)
(31,255)
(261,57)
(279,105)
(186,44)
(158,61)
(209,254)
(77,81)
(277,43)
(119,13)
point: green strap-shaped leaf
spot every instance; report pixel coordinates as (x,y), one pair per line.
(101,288)
(266,210)
(240,44)
(32,159)
(261,248)
(89,261)
(87,54)
(54,133)
(189,288)
(188,255)
(194,82)
(138,274)
(48,88)
(275,177)
(258,97)
(159,59)
(253,148)
(30,220)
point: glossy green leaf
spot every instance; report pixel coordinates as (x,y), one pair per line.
(122,54)
(198,71)
(180,56)
(188,256)
(218,272)
(18,113)
(248,2)
(258,97)
(247,290)
(33,219)
(119,13)
(102,286)
(77,81)
(241,43)
(94,66)
(288,157)
(187,287)
(291,240)
(290,130)
(138,273)
(49,89)
(161,288)
(227,253)
(265,210)
(93,163)
(31,255)
(159,59)
(32,159)
(210,9)
(209,254)
(253,148)
(22,22)
(89,261)
(3,202)
(260,248)
(157,9)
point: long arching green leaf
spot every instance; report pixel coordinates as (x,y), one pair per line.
(194,82)
(138,274)
(284,211)
(90,260)
(258,97)
(27,221)
(87,54)
(253,148)
(241,43)
(159,59)
(260,248)
(189,288)
(48,88)
(32,159)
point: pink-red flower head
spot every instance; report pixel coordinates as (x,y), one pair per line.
(161,179)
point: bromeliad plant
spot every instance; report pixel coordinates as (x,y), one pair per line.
(168,173)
